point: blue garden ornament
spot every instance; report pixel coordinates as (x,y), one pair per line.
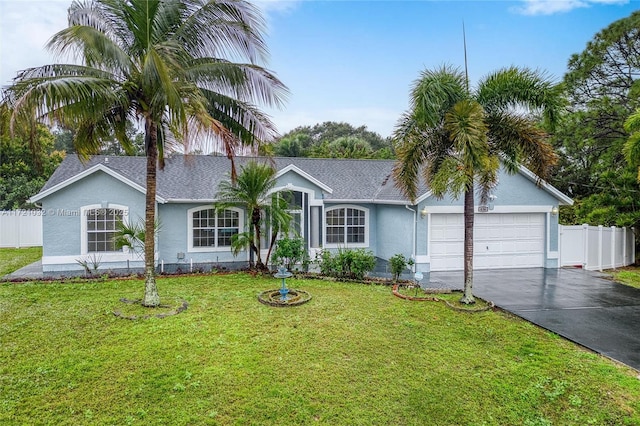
(284,274)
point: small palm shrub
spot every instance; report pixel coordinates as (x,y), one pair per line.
(347,263)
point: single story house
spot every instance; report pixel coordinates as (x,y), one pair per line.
(343,203)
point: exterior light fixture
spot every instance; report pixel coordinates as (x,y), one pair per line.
(423,212)
(554,210)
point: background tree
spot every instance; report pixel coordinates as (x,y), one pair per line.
(164,64)
(27,160)
(315,141)
(293,145)
(603,90)
(456,139)
(343,147)
(252,192)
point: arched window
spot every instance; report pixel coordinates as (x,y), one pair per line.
(210,230)
(347,225)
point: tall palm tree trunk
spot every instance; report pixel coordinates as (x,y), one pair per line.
(151,297)
(467,297)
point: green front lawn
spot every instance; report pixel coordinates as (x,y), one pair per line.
(12,259)
(354,354)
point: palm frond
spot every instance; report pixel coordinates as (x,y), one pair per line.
(467,130)
(223,28)
(244,82)
(520,141)
(436,92)
(520,89)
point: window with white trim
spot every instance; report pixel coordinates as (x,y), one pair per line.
(209,229)
(101,226)
(346,225)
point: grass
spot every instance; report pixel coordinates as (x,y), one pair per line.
(354,354)
(629,276)
(12,259)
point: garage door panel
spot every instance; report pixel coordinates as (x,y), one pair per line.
(500,241)
(453,248)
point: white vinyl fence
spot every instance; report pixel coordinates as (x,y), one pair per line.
(596,247)
(20,228)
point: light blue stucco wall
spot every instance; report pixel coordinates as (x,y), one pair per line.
(61,222)
(512,190)
(173,237)
(394,230)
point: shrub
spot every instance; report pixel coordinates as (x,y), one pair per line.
(347,263)
(398,264)
(289,252)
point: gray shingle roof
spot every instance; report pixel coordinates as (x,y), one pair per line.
(197,177)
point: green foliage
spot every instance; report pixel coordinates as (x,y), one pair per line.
(603,92)
(347,263)
(398,264)
(293,144)
(23,169)
(290,252)
(132,236)
(333,140)
(343,147)
(354,355)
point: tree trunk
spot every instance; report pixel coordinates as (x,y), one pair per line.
(255,218)
(151,297)
(467,297)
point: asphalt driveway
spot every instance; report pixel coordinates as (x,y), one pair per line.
(577,304)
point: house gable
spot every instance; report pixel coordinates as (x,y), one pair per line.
(287,174)
(88,172)
(520,189)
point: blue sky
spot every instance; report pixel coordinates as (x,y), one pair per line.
(355,61)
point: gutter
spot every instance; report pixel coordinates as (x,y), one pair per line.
(415,231)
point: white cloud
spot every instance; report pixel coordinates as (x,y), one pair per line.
(549,7)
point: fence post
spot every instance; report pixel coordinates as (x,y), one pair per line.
(17,228)
(624,246)
(600,228)
(613,247)
(633,246)
(585,236)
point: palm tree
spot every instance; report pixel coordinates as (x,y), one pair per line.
(252,190)
(457,139)
(161,64)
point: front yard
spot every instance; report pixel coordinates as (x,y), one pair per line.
(354,354)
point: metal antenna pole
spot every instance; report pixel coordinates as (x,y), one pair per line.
(466,68)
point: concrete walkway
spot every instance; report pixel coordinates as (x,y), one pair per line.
(580,305)
(33,270)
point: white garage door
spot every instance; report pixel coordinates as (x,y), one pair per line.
(501,240)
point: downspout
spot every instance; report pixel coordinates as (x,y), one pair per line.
(413,237)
